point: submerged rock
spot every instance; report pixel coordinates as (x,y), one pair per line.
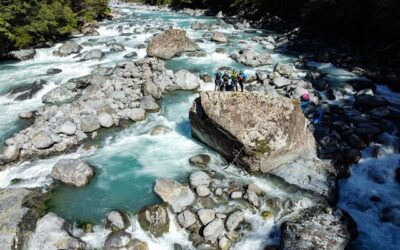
(170,43)
(117,240)
(53,71)
(72,172)
(259,132)
(201,160)
(318,228)
(176,195)
(154,219)
(159,130)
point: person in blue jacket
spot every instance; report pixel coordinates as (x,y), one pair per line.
(242,80)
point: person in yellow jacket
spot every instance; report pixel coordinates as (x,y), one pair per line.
(234,79)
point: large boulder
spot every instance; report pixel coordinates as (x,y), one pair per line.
(175,194)
(42,140)
(218,37)
(24,54)
(170,43)
(259,132)
(68,48)
(318,228)
(252,58)
(154,219)
(89,123)
(51,234)
(72,172)
(186,80)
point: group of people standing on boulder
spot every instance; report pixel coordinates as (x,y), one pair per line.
(226,82)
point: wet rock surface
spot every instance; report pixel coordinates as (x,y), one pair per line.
(72,172)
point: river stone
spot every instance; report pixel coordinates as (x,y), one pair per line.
(170,43)
(50,234)
(234,220)
(68,48)
(154,219)
(268,131)
(131,55)
(25,115)
(218,37)
(252,58)
(92,33)
(150,88)
(200,160)
(281,82)
(317,228)
(117,240)
(136,114)
(206,215)
(118,220)
(310,174)
(149,104)
(214,230)
(175,194)
(203,191)
(253,198)
(286,70)
(105,120)
(186,80)
(237,195)
(199,26)
(199,178)
(53,71)
(224,243)
(42,140)
(68,128)
(159,130)
(136,244)
(116,47)
(11,153)
(24,54)
(72,172)
(186,219)
(93,54)
(89,123)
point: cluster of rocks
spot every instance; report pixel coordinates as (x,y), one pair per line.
(76,110)
(201,209)
(252,58)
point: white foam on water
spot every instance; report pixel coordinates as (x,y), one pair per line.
(32,174)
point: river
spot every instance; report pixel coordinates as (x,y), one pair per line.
(127,161)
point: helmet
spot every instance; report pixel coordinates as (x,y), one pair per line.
(306,97)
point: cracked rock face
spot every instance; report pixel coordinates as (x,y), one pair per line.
(264,131)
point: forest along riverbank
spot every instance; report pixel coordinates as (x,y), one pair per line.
(222,206)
